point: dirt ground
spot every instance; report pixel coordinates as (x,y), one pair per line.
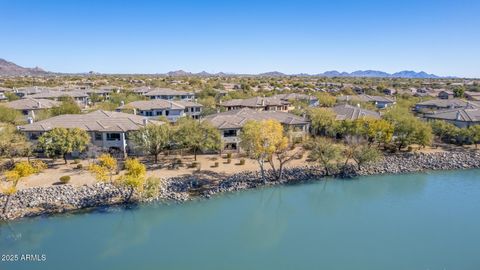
(164,170)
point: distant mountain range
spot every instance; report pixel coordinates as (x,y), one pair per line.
(11,69)
(332,73)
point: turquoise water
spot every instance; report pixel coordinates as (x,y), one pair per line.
(417,221)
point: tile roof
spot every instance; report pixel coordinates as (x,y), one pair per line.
(462,115)
(57,94)
(153,104)
(32,104)
(167,92)
(104,121)
(448,103)
(237,118)
(349,112)
(255,102)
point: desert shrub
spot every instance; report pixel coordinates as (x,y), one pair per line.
(151,187)
(216,164)
(79,166)
(229,155)
(38,166)
(65,179)
(242,162)
(229,160)
(76,161)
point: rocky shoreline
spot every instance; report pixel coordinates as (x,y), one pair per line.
(62,198)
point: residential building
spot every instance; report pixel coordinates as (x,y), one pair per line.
(311,100)
(389,91)
(349,112)
(30,106)
(231,122)
(475,96)
(108,130)
(460,117)
(257,103)
(172,110)
(170,94)
(442,104)
(380,102)
(79,96)
(444,94)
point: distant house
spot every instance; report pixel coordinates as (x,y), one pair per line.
(230,124)
(108,130)
(444,94)
(29,106)
(3,97)
(380,102)
(172,110)
(475,96)
(442,104)
(257,103)
(79,96)
(349,112)
(389,91)
(311,100)
(170,94)
(104,93)
(142,90)
(461,117)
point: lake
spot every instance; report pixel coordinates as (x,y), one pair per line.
(414,221)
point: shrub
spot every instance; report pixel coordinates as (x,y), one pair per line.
(216,164)
(65,179)
(79,166)
(76,161)
(151,187)
(229,160)
(229,155)
(242,162)
(38,165)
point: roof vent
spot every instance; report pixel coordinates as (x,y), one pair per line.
(30,120)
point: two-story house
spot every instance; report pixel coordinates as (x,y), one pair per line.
(231,122)
(170,94)
(108,130)
(31,106)
(172,110)
(257,103)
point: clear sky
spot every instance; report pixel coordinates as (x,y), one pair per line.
(242,36)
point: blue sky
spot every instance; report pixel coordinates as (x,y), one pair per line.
(441,37)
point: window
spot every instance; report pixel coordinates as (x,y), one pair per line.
(229,133)
(98,136)
(113,136)
(148,113)
(167,113)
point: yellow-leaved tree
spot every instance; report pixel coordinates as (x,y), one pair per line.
(134,177)
(266,141)
(105,168)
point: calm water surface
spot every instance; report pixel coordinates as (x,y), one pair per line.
(417,221)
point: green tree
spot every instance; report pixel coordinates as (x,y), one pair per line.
(12,142)
(459,91)
(365,154)
(68,106)
(475,134)
(62,141)
(325,152)
(8,115)
(197,136)
(408,129)
(154,139)
(323,121)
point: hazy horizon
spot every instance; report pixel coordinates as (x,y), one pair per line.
(244,37)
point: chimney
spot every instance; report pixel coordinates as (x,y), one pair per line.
(145,121)
(30,120)
(358,105)
(122,103)
(39,105)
